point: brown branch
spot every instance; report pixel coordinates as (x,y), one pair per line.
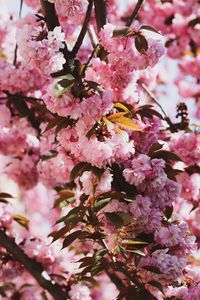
(33,267)
(93,37)
(50,15)
(135,12)
(100,13)
(84,29)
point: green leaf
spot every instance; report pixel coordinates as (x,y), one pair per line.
(91,131)
(122,106)
(139,252)
(134,242)
(141,43)
(49,155)
(64,195)
(113,195)
(59,123)
(152,269)
(66,80)
(3,201)
(99,254)
(118,219)
(166,155)
(5,195)
(155,147)
(73,236)
(171,172)
(86,270)
(97,269)
(194,22)
(120,32)
(75,215)
(150,28)
(144,294)
(98,205)
(59,234)
(126,123)
(156,284)
(168,212)
(86,261)
(126,217)
(122,250)
(114,219)
(21,220)
(79,169)
(63,85)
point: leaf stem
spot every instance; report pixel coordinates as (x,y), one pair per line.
(153,98)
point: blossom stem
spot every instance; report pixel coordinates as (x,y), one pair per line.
(32,266)
(153,98)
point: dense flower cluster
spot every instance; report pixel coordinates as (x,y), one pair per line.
(105,185)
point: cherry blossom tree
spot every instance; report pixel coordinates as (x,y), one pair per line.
(105,163)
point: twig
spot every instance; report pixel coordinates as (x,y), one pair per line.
(100,13)
(93,37)
(89,60)
(32,266)
(16,47)
(84,29)
(135,12)
(153,98)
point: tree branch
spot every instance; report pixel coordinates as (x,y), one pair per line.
(84,29)
(33,267)
(100,13)
(50,15)
(16,46)
(135,12)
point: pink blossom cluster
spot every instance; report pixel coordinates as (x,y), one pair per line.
(22,160)
(21,79)
(40,48)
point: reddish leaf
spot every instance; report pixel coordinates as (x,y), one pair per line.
(141,43)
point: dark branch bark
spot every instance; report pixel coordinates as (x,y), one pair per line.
(83,30)
(50,15)
(33,267)
(135,12)
(100,13)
